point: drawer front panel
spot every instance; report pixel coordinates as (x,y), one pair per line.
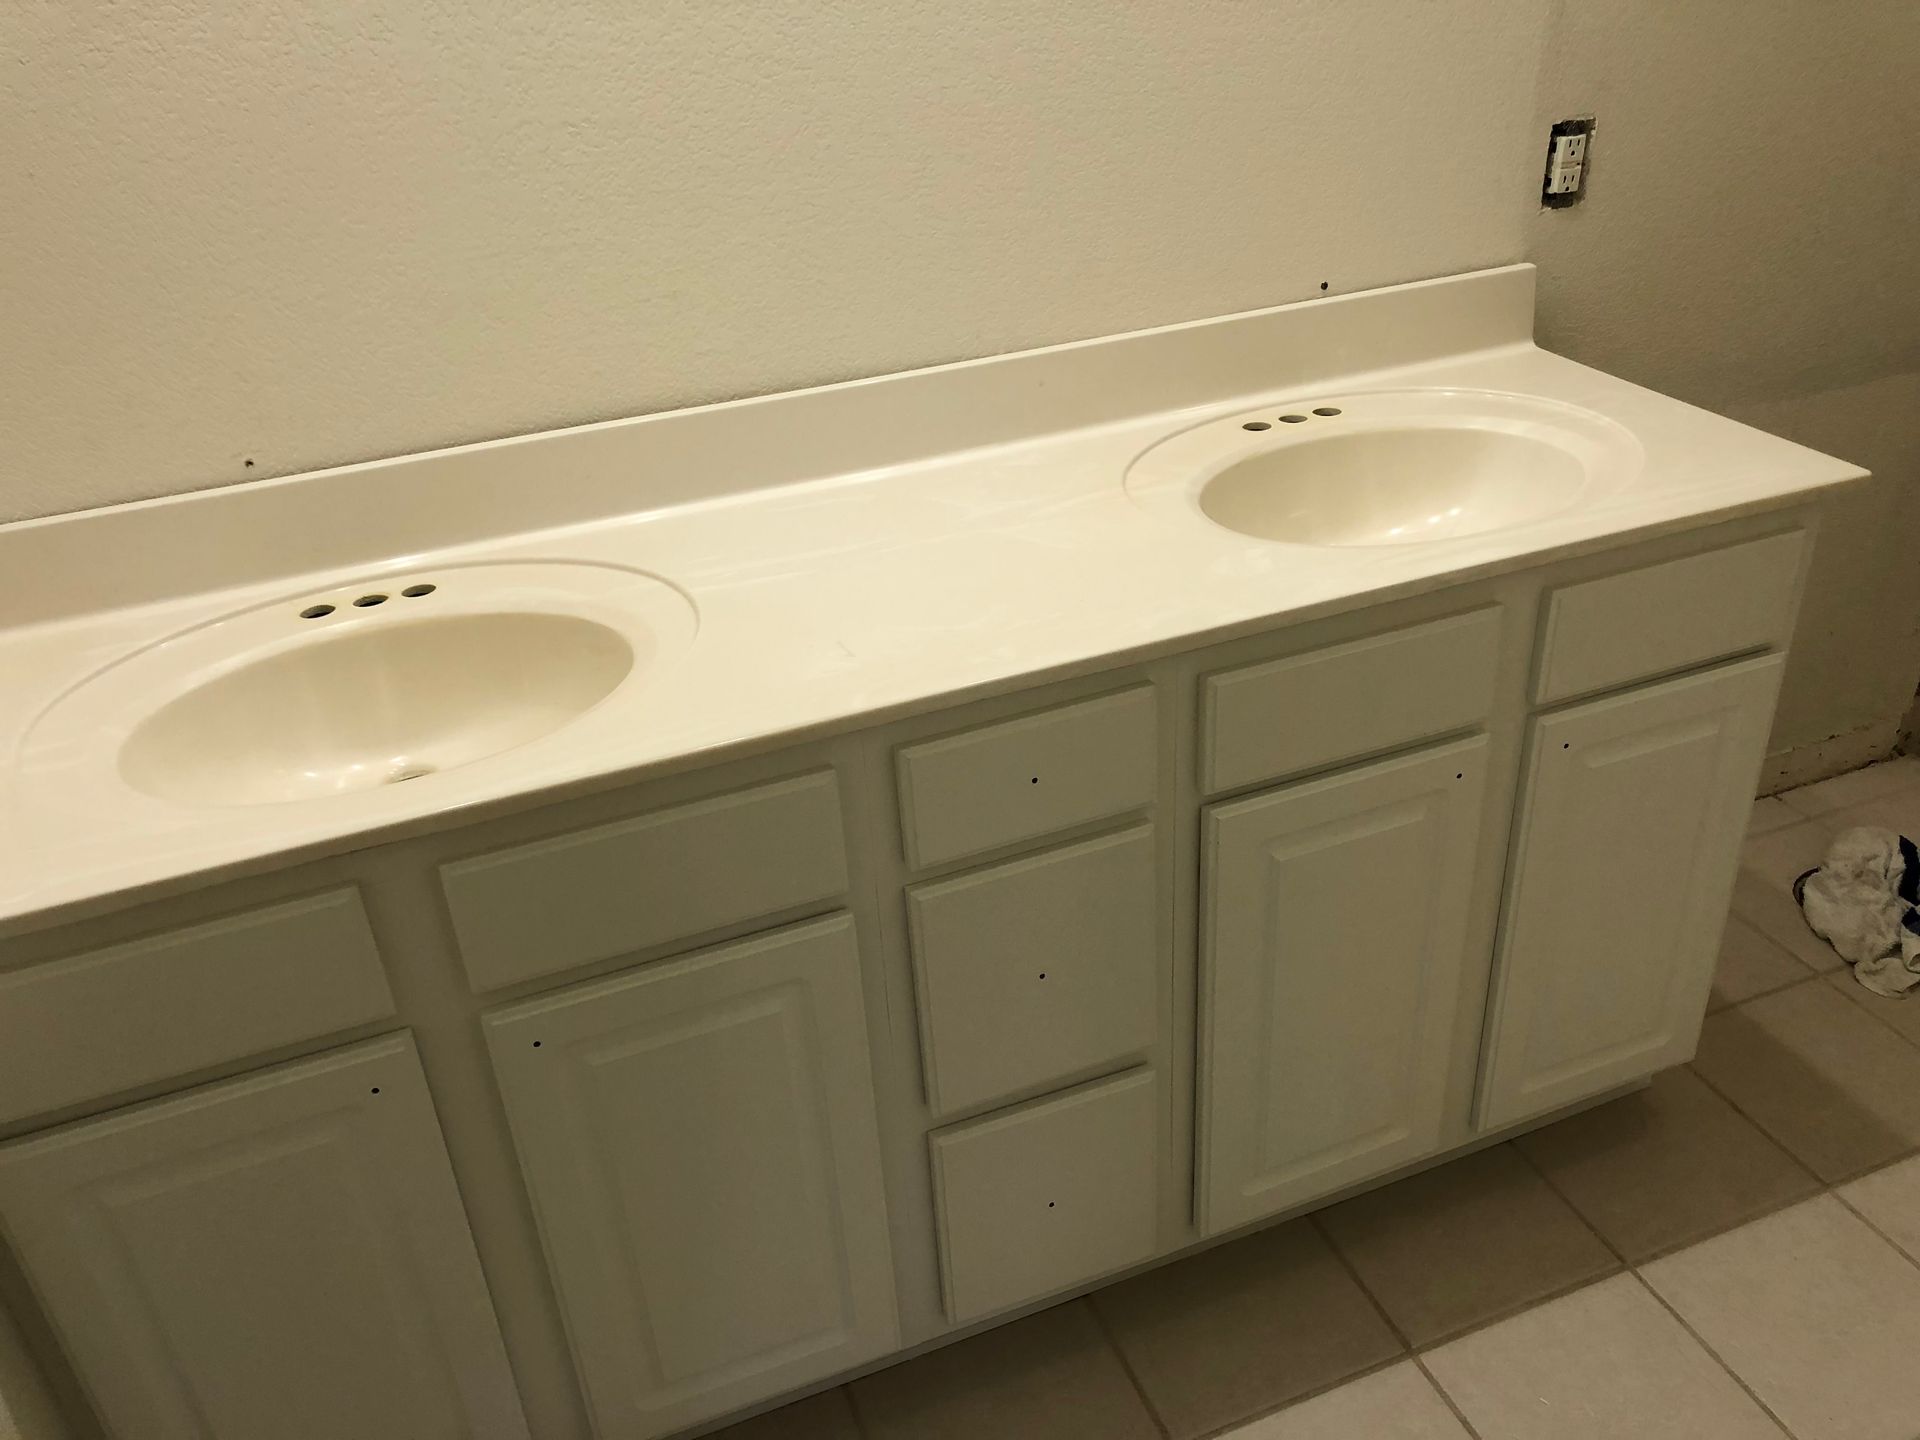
(1306,712)
(95,1024)
(555,904)
(1662,618)
(970,793)
(1034,971)
(1039,1198)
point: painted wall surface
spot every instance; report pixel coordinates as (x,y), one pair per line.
(307,234)
(1750,242)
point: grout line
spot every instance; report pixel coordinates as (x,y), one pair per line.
(1326,1238)
(1754,1120)
(1865,1220)
(1126,1368)
(1440,1342)
(1811,974)
(1718,1358)
(1562,1197)
(1874,1010)
(1447,1399)
(1233,1427)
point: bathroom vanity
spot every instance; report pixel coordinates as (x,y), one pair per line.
(1024,821)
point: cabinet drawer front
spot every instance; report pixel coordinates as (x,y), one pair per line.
(1626,845)
(1662,618)
(1334,946)
(1048,1195)
(1306,712)
(555,904)
(1024,778)
(699,1140)
(280,1255)
(95,1024)
(1034,971)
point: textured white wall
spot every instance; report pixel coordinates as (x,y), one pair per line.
(306,234)
(1751,242)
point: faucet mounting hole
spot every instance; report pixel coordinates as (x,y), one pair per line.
(414,590)
(369,600)
(314,612)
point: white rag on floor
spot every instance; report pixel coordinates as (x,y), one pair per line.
(1865,902)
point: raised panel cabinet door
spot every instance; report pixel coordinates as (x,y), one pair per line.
(1625,850)
(282,1255)
(700,1143)
(1331,956)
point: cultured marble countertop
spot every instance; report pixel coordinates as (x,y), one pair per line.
(826,603)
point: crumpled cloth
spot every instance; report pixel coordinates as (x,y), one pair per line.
(1865,902)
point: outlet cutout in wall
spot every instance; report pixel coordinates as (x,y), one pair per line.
(1569,143)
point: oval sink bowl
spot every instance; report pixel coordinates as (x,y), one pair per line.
(410,679)
(1389,468)
(374,706)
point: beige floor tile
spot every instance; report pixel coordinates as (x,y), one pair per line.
(1900,813)
(1666,1166)
(1815,1312)
(1750,964)
(1398,1403)
(826,1416)
(1467,1242)
(1052,1376)
(1772,910)
(1781,856)
(1243,1328)
(1890,1199)
(1839,1090)
(1603,1362)
(1770,812)
(1901,1014)
(1856,787)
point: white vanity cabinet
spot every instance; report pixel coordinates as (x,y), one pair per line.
(755,1074)
(1331,953)
(698,1136)
(1624,857)
(280,1255)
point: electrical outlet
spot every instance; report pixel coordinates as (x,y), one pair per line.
(1568,142)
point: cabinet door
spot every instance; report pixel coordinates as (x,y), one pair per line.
(1625,851)
(280,1255)
(700,1143)
(1330,968)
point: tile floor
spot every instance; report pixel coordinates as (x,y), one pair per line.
(1732,1252)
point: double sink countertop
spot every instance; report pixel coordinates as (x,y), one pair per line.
(841,556)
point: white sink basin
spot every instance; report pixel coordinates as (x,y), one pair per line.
(1389,467)
(370,684)
(374,706)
